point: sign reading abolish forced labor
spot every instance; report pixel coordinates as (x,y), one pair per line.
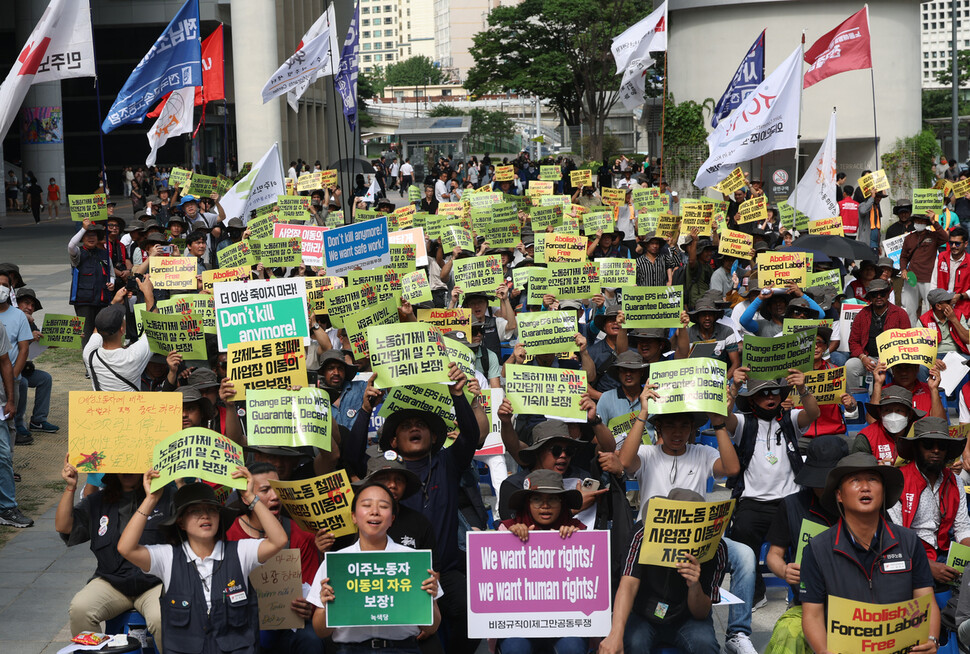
(181,333)
(236,255)
(543,217)
(61,330)
(579,178)
(178,177)
(561,248)
(319,503)
(674,528)
(416,288)
(315,289)
(266,364)
(343,302)
(828,226)
(753,210)
(280,252)
(211,277)
(407,353)
(860,627)
(547,332)
(652,306)
(554,392)
(379,588)
(478,273)
(917,345)
(735,244)
(777,269)
(276,584)
(285,418)
(359,245)
(87,207)
(927,199)
(770,358)
(102,425)
(613,196)
(504,173)
(261,310)
(415,237)
(197,452)
(539,188)
(826,386)
(689,385)
(615,273)
(329,178)
(573,281)
(382,313)
(875,181)
(448,320)
(544,588)
(311,240)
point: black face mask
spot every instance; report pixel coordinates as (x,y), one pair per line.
(765,414)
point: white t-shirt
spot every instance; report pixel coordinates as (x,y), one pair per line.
(407,170)
(395,169)
(360,634)
(441,192)
(163,555)
(659,472)
(129,362)
(764,480)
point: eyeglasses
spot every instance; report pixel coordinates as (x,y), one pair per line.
(768,392)
(539,500)
(558,450)
(955,244)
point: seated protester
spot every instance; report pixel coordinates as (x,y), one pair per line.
(374,511)
(604,245)
(199,564)
(33,377)
(336,375)
(117,585)
(892,414)
(830,420)
(155,375)
(871,321)
(950,323)
(249,526)
(722,281)
(705,328)
(543,503)
(651,343)
(604,351)
(748,292)
(630,370)
(773,308)
(666,605)
(410,528)
(784,535)
(863,557)
(926,395)
(864,275)
(496,329)
(111,365)
(486,363)
(654,267)
(933,503)
(952,269)
(766,436)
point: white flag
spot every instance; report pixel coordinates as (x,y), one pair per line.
(175,119)
(371,195)
(634,83)
(61,46)
(326,23)
(766,121)
(815,193)
(648,35)
(258,188)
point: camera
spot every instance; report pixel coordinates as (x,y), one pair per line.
(132,283)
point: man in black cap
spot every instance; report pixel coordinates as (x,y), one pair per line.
(117,253)
(631,371)
(495,328)
(904,225)
(337,376)
(864,557)
(33,377)
(785,534)
(705,328)
(872,320)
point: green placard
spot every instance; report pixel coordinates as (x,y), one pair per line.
(598,220)
(379,588)
(574,281)
(927,199)
(289,418)
(689,385)
(792,325)
(538,286)
(407,353)
(414,194)
(361,215)
(653,306)
(202,186)
(87,207)
(403,257)
(61,330)
(235,255)
(808,531)
(770,358)
(182,333)
(342,302)
(356,324)
(280,252)
(415,287)
(502,233)
(553,392)
(178,177)
(647,222)
(543,217)
(520,276)
(453,236)
(831,278)
(197,452)
(957,558)
(550,173)
(428,397)
(382,277)
(261,227)
(476,274)
(617,272)
(547,332)
(461,356)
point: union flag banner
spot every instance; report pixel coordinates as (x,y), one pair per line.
(847,47)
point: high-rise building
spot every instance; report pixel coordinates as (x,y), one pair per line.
(379,33)
(936,36)
(455,25)
(416,20)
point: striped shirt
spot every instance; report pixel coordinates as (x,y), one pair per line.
(654,273)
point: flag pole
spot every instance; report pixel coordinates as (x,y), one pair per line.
(872,80)
(344,193)
(663,122)
(798,135)
(103,173)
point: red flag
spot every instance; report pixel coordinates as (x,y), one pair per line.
(213,74)
(844,48)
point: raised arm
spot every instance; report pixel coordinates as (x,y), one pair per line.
(128,545)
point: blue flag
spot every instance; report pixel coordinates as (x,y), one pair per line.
(746,79)
(174,62)
(346,77)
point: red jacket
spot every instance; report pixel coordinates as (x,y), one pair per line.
(943,272)
(913,485)
(929,320)
(849,210)
(882,446)
(896,318)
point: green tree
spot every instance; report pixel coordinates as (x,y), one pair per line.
(558,50)
(945,75)
(487,125)
(444,110)
(937,103)
(415,71)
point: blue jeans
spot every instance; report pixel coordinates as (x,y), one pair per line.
(568,645)
(691,637)
(42,383)
(874,238)
(741,565)
(7,492)
(838,358)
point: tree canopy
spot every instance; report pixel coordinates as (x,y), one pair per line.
(414,71)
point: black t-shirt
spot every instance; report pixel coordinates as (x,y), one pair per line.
(898,229)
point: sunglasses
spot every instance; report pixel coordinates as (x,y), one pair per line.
(769,392)
(558,450)
(932,444)
(955,244)
(879,293)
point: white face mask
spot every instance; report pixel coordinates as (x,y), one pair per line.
(894,423)
(919,226)
(4,294)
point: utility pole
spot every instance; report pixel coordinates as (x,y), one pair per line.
(956,84)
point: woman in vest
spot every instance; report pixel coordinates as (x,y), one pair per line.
(207,605)
(374,509)
(117,585)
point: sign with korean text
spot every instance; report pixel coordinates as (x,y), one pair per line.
(543,217)
(916,345)
(266,364)
(415,287)
(61,330)
(319,503)
(178,177)
(615,273)
(689,385)
(382,313)
(673,528)
(554,392)
(181,333)
(573,281)
(88,207)
(550,173)
(202,186)
(342,302)
(261,310)
(753,210)
(478,274)
(286,418)
(407,353)
(415,237)
(379,588)
(613,196)
(827,386)
(874,182)
(310,237)
(197,452)
(236,255)
(447,320)
(733,182)
(580,178)
(652,306)
(277,583)
(315,289)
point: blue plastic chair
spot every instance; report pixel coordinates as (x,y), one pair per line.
(771,581)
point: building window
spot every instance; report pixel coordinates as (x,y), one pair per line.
(377,10)
(365,22)
(389,45)
(388,8)
(365,10)
(366,35)
(377,57)
(388,21)
(367,46)
(377,34)
(367,59)
(389,57)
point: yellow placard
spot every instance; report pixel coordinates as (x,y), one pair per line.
(875,181)
(668,225)
(309,181)
(537,187)
(917,345)
(753,210)
(315,287)
(580,178)
(319,503)
(696,215)
(735,244)
(117,432)
(827,386)
(673,528)
(562,248)
(504,173)
(831,226)
(276,363)
(733,182)
(861,627)
(328,178)
(780,268)
(613,197)
(174,273)
(210,277)
(448,320)
(961,188)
